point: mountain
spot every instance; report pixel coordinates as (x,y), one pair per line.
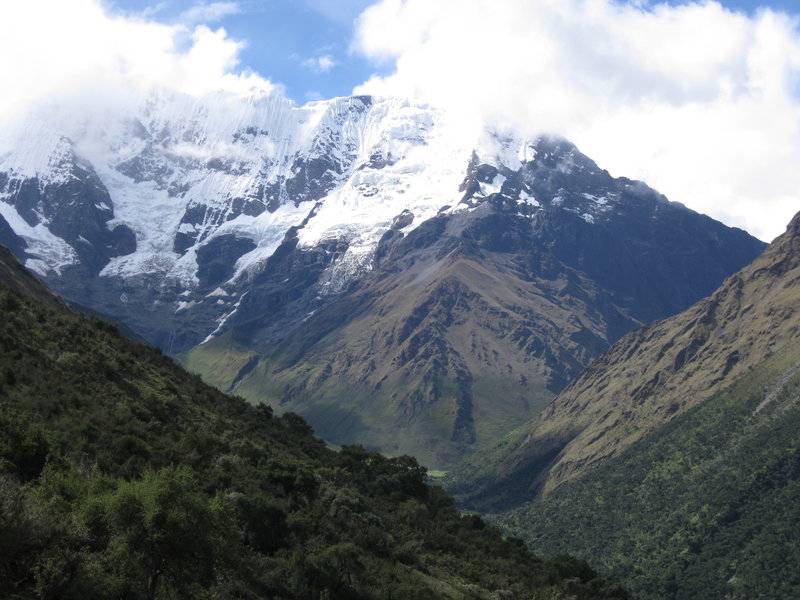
(17,278)
(367,262)
(467,325)
(123,476)
(165,213)
(673,458)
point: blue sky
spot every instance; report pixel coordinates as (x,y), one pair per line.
(305,45)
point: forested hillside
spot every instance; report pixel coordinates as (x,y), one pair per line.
(704,508)
(121,476)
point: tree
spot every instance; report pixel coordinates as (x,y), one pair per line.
(164,533)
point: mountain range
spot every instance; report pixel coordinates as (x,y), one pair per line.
(673,458)
(601,371)
(400,282)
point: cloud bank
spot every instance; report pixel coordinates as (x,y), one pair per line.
(79,52)
(698,101)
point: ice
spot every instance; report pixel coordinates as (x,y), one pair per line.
(50,253)
(168,153)
(494,187)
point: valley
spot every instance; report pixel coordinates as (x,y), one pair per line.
(357,261)
(673,458)
(399,300)
(515,326)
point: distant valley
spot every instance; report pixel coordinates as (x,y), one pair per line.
(674,457)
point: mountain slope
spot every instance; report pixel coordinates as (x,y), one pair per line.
(673,459)
(398,280)
(111,456)
(471,322)
(651,375)
(182,216)
(704,507)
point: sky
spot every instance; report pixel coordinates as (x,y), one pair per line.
(700,99)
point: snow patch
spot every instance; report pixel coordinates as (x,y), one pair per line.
(528,199)
(50,253)
(487,189)
(602,200)
(182,305)
(217,292)
(223,320)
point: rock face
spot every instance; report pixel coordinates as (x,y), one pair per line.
(647,379)
(359,260)
(470,323)
(19,279)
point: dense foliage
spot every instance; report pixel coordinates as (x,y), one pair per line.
(706,507)
(122,476)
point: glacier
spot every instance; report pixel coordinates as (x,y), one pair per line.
(193,177)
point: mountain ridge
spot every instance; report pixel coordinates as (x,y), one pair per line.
(236,233)
(470,322)
(646,379)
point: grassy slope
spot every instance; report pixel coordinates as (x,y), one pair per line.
(220,362)
(111,456)
(440,355)
(645,380)
(706,507)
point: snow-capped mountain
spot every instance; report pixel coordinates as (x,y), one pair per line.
(401,281)
(178,203)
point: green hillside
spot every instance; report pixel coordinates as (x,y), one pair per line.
(644,381)
(673,462)
(706,507)
(122,476)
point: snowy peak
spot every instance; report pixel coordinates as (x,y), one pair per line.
(176,196)
(548,172)
(56,203)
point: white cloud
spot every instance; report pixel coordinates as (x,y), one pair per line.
(313,96)
(208,13)
(319,64)
(76,50)
(697,100)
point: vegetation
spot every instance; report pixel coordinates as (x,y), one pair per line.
(646,380)
(386,366)
(705,507)
(122,476)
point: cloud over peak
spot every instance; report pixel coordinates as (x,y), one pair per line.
(698,100)
(76,49)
